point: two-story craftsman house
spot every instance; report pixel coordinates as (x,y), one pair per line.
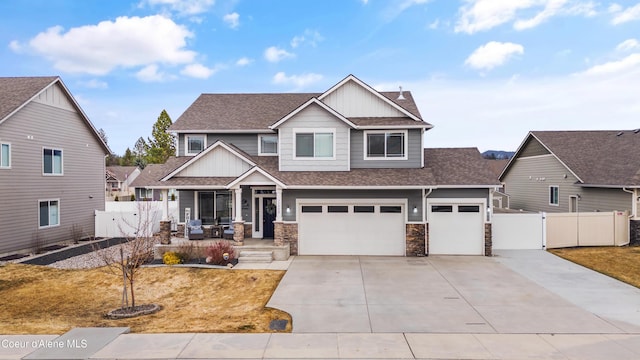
(343,172)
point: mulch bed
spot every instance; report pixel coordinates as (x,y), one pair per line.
(133,311)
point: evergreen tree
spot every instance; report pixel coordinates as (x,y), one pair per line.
(128,159)
(163,144)
(140,153)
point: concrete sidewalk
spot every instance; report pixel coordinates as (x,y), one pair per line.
(333,346)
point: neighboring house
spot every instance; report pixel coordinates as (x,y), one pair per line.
(342,172)
(500,199)
(51,164)
(119,179)
(575,171)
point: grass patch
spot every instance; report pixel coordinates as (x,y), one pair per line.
(43,300)
(622,263)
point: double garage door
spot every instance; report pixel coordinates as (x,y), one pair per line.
(351,228)
(354,227)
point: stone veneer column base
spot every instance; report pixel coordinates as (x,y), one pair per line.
(165,232)
(488,240)
(238,233)
(415,240)
(286,233)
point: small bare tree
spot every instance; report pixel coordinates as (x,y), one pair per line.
(134,253)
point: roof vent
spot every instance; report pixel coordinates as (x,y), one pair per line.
(400,95)
(620,133)
(636,131)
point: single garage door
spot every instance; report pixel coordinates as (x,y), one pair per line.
(456,229)
(343,228)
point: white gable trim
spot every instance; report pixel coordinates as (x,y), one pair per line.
(307,104)
(217,144)
(371,90)
(254,170)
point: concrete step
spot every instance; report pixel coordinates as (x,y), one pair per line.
(255,256)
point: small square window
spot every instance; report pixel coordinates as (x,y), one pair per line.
(268,145)
(52,161)
(195,144)
(49,213)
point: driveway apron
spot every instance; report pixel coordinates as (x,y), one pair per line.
(436,294)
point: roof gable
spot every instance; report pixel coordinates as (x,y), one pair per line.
(306,105)
(218,160)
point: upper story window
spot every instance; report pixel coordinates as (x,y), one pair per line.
(554,197)
(49,213)
(314,143)
(267,145)
(52,161)
(5,155)
(387,145)
(195,144)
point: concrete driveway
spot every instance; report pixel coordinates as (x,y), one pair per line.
(438,294)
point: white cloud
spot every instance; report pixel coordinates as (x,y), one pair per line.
(150,73)
(628,45)
(434,25)
(299,81)
(244,61)
(199,71)
(622,16)
(629,63)
(126,42)
(311,37)
(397,7)
(275,54)
(182,7)
(481,15)
(94,84)
(233,20)
(493,54)
(15,46)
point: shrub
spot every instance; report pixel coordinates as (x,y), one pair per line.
(133,197)
(171,258)
(187,252)
(116,198)
(216,253)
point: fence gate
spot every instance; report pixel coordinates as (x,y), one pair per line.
(517,231)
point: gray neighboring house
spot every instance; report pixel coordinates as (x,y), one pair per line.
(118,181)
(52,172)
(575,171)
(343,172)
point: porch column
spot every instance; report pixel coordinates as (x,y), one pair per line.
(165,204)
(278,203)
(238,204)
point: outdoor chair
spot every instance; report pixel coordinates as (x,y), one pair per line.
(195,230)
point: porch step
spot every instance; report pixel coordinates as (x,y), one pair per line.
(255,256)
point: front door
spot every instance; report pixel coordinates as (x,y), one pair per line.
(268,216)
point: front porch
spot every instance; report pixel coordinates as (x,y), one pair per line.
(251,246)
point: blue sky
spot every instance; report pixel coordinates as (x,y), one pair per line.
(484,72)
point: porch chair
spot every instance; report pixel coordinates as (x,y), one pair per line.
(195,230)
(227,232)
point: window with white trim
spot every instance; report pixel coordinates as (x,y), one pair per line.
(48,213)
(52,161)
(194,144)
(5,155)
(554,195)
(314,144)
(387,145)
(268,145)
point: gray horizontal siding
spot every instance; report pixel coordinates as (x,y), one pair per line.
(80,190)
(460,194)
(246,142)
(414,198)
(415,149)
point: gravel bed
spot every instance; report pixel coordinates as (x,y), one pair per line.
(92,259)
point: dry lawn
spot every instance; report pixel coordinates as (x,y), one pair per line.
(622,263)
(43,300)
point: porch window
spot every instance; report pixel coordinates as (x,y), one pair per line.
(49,213)
(314,144)
(385,145)
(554,193)
(5,155)
(268,145)
(214,207)
(51,161)
(195,144)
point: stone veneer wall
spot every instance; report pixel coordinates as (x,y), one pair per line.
(488,240)
(165,232)
(634,232)
(238,232)
(415,240)
(286,233)
(248,230)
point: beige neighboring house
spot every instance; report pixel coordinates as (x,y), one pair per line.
(342,172)
(118,182)
(51,164)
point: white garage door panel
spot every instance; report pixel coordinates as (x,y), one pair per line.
(456,232)
(351,233)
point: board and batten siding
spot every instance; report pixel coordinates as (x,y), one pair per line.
(313,117)
(414,152)
(529,179)
(218,162)
(352,100)
(246,142)
(80,190)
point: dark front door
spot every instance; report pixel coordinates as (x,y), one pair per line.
(268,216)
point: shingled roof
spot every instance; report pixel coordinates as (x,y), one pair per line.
(597,158)
(16,91)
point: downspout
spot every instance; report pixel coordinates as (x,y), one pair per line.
(424,204)
(634,210)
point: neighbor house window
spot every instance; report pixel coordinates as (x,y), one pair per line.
(195,144)
(52,161)
(49,213)
(385,145)
(268,145)
(553,195)
(5,155)
(317,144)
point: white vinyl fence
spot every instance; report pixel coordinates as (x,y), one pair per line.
(132,218)
(517,231)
